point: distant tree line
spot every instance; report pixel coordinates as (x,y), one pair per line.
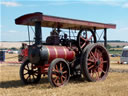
(13,48)
(114,41)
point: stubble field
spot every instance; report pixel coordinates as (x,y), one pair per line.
(116,83)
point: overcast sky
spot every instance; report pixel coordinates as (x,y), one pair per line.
(105,11)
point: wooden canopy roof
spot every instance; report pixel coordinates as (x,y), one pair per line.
(65,23)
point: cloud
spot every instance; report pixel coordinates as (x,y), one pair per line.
(123,29)
(10,4)
(117,3)
(13,31)
(125,5)
(62,2)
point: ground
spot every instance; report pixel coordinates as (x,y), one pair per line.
(116,84)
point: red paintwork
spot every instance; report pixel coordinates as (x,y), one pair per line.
(44,69)
(66,23)
(25,52)
(57,52)
(60,52)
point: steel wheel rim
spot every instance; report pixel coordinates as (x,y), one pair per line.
(60,74)
(98,63)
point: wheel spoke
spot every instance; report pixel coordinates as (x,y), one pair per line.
(93,55)
(83,45)
(32,66)
(97,75)
(28,77)
(25,73)
(90,60)
(61,68)
(55,70)
(36,75)
(64,72)
(36,71)
(26,69)
(63,77)
(33,77)
(56,67)
(92,73)
(98,54)
(101,66)
(57,80)
(27,66)
(102,70)
(54,73)
(89,64)
(105,61)
(82,38)
(61,80)
(91,67)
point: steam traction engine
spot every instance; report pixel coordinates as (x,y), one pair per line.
(64,55)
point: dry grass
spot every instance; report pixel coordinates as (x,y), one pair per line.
(116,65)
(11,44)
(116,84)
(11,57)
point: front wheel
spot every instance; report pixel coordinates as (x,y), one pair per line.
(29,74)
(58,72)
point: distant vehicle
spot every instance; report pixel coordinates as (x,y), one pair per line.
(10,52)
(124,55)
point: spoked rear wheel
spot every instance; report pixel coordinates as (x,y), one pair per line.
(58,72)
(95,62)
(29,74)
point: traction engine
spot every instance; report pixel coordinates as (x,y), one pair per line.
(61,57)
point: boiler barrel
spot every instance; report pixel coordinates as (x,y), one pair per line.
(49,53)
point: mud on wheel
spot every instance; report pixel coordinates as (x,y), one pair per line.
(95,62)
(29,74)
(58,72)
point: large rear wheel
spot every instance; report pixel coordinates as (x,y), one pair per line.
(95,62)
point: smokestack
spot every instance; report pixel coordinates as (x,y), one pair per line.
(38,33)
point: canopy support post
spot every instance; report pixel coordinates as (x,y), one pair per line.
(28,35)
(105,37)
(69,37)
(95,31)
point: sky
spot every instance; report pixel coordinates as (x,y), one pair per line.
(105,11)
